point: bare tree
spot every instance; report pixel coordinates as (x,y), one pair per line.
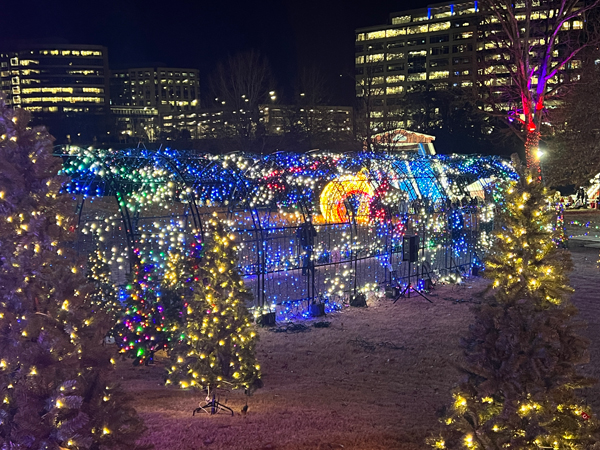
(575,146)
(530,47)
(240,85)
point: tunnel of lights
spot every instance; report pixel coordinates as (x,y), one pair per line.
(312,227)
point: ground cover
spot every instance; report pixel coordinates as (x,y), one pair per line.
(373,379)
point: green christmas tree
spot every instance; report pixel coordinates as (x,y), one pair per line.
(53,367)
(219,345)
(522,351)
(154,308)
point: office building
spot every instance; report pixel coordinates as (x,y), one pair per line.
(434,45)
(56,79)
(167,89)
(440,46)
(172,92)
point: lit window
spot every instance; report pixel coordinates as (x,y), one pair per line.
(439,26)
(400,19)
(394,79)
(577,25)
(438,74)
(417,77)
(417,29)
(394,56)
(375,58)
(376,35)
(391,90)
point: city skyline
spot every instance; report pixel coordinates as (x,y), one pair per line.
(200,34)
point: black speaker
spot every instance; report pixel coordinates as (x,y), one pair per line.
(410,248)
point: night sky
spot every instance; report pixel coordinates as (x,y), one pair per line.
(178,33)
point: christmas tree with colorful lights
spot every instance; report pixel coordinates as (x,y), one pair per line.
(523,351)
(54,369)
(155,304)
(219,346)
(143,328)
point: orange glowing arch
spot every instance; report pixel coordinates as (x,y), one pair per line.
(337,191)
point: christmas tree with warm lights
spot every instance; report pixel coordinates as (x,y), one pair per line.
(522,352)
(53,367)
(105,294)
(219,346)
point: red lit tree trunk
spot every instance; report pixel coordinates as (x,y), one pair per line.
(529,54)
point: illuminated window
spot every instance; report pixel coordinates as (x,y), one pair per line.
(417,53)
(377,80)
(391,90)
(577,25)
(93,90)
(439,26)
(464,35)
(417,29)
(467,11)
(420,18)
(395,67)
(400,19)
(375,58)
(462,48)
(467,83)
(438,74)
(394,56)
(394,79)
(376,35)
(417,77)
(575,64)
(441,15)
(395,32)
(566,26)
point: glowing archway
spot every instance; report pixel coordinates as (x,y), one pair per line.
(334,195)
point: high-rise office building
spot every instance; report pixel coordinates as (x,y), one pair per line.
(51,79)
(441,46)
(165,88)
(434,45)
(173,93)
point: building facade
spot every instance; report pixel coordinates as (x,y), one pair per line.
(165,88)
(55,79)
(442,46)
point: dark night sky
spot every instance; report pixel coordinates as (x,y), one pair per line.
(198,34)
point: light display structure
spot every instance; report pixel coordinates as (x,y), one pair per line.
(314,227)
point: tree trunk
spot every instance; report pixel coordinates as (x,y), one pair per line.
(532,144)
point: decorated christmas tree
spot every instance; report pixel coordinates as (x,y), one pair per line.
(522,351)
(218,349)
(143,329)
(154,308)
(53,367)
(105,294)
